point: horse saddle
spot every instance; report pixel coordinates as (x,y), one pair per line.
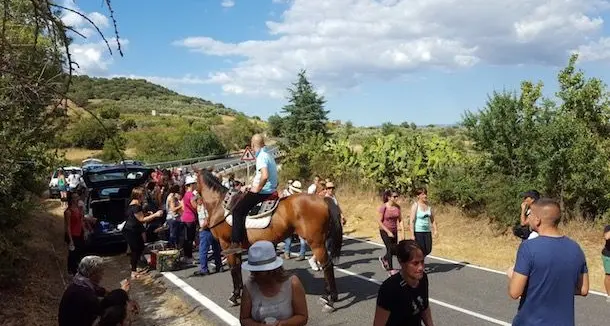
(259,216)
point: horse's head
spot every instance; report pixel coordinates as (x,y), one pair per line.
(213,192)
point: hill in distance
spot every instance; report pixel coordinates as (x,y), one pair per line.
(139,96)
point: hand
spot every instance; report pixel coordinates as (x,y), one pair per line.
(435,233)
(125,285)
(343,220)
(523,206)
(135,308)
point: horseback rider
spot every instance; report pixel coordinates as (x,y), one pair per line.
(263,186)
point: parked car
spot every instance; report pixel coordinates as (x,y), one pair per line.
(132,162)
(53,190)
(109,191)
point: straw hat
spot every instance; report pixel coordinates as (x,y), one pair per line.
(262,257)
(295,187)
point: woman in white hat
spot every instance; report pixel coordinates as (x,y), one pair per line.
(271,296)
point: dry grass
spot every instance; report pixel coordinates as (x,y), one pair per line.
(77,155)
(35,300)
(470,240)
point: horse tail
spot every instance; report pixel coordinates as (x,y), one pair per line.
(334,236)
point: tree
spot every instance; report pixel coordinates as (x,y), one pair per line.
(276,125)
(111,112)
(561,149)
(198,144)
(305,113)
(238,133)
(36,68)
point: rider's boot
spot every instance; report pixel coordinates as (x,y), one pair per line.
(234,248)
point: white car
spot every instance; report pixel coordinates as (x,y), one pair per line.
(53,190)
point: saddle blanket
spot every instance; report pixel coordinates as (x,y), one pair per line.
(252,223)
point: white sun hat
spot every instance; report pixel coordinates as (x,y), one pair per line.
(190,179)
(262,257)
(295,187)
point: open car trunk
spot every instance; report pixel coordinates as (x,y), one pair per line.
(108,206)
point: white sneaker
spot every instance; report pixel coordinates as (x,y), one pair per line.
(313,263)
(608,299)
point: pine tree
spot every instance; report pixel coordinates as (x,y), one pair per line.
(306,116)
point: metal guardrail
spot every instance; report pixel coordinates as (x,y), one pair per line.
(190,161)
(225,163)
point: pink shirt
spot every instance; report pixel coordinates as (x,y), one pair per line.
(390,217)
(188,216)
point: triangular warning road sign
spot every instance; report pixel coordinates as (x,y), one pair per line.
(248,155)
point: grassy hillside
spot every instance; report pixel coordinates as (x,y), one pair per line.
(140,96)
(182,127)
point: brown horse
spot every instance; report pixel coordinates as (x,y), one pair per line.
(315,219)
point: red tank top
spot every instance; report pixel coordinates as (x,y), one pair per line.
(76,222)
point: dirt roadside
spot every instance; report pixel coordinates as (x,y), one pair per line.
(36,300)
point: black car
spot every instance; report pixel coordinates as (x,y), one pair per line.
(109,192)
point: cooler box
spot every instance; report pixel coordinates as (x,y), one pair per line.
(167,260)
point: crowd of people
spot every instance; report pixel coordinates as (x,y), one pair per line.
(550,267)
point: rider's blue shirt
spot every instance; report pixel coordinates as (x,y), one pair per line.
(266,160)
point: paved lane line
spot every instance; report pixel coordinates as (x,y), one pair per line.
(226,316)
(440,303)
(456,262)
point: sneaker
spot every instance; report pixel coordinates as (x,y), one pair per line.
(313,263)
(384,264)
(608,299)
(301,258)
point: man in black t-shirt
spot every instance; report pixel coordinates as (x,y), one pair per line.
(403,297)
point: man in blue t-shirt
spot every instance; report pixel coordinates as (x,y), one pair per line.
(549,271)
(263,186)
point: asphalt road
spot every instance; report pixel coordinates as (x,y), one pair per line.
(460,294)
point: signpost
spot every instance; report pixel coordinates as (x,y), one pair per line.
(248,156)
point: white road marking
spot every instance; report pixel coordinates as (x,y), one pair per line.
(226,316)
(454,262)
(440,303)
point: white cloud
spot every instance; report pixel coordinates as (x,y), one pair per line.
(91,54)
(343,42)
(93,57)
(227,3)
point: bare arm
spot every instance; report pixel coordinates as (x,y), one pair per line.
(582,287)
(412,220)
(427,317)
(433,221)
(245,310)
(381,316)
(523,218)
(299,305)
(264,178)
(145,219)
(516,285)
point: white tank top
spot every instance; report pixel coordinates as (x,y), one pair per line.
(278,306)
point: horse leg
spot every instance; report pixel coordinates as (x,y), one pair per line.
(234,262)
(330,285)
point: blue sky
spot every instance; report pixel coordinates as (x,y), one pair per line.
(374,60)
